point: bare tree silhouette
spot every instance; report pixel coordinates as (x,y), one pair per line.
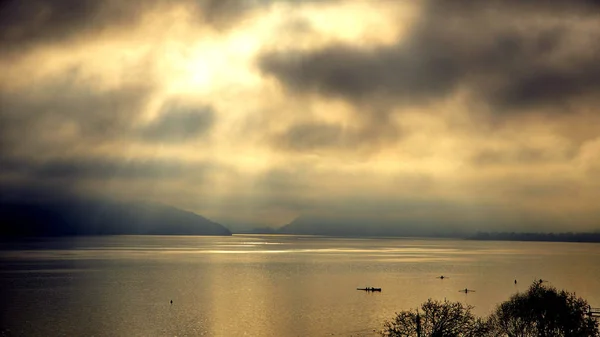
(436,319)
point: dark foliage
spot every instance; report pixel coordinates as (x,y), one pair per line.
(543,311)
(436,319)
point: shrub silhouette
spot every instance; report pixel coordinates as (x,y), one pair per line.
(542,311)
(436,319)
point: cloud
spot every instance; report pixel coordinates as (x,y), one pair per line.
(314,136)
(495,51)
(67,112)
(45,22)
(358,73)
(170,181)
(539,5)
(588,157)
(95,168)
(310,136)
(429,112)
(39,22)
(522,156)
(179,123)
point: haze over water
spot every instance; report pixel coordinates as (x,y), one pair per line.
(258,285)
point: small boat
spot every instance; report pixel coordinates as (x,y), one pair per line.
(369,289)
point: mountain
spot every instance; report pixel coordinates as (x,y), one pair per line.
(551,237)
(259,230)
(75,216)
(362,226)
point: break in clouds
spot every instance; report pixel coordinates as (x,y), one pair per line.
(462,114)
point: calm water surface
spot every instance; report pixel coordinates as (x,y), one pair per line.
(264,285)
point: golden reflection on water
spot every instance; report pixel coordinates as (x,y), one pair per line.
(266,285)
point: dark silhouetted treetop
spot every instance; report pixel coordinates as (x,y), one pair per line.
(542,311)
(436,319)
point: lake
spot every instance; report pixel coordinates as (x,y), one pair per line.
(265,285)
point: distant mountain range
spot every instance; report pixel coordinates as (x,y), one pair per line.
(346,226)
(64,216)
(100,217)
(551,237)
(257,230)
(330,226)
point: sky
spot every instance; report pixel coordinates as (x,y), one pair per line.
(255,112)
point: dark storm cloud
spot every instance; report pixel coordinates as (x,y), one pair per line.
(75,173)
(26,24)
(547,85)
(179,122)
(23,24)
(317,136)
(310,136)
(35,179)
(96,115)
(357,73)
(538,5)
(512,55)
(221,13)
(93,168)
(224,14)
